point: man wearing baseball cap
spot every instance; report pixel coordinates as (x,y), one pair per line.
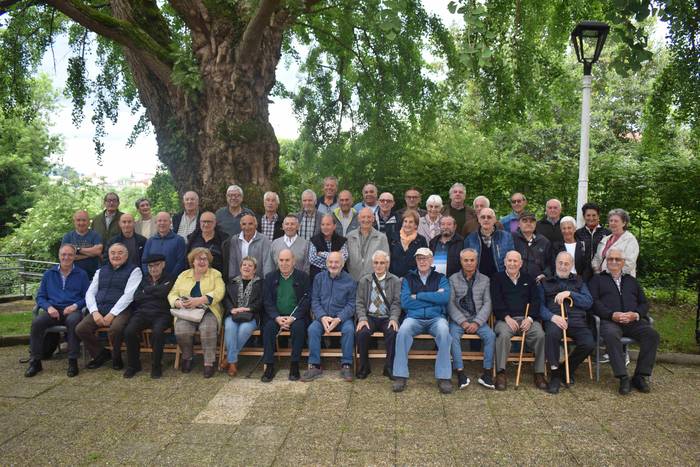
(424,297)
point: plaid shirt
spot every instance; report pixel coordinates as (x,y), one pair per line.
(307,226)
(268,226)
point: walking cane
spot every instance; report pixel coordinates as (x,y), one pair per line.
(522,348)
(566,347)
(257,364)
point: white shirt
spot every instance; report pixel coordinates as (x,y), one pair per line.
(571,249)
(245,244)
(187,225)
(123,302)
(289,241)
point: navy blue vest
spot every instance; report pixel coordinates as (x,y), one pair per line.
(111,285)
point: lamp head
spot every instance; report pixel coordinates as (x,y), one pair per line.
(588,38)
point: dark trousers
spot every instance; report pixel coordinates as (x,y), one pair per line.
(270,330)
(362,339)
(583,340)
(86,332)
(642,332)
(43,321)
(158,323)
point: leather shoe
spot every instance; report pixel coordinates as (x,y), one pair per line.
(209,371)
(640,383)
(294,372)
(72,368)
(117,364)
(34,368)
(554,382)
(388,373)
(269,374)
(186,366)
(223,366)
(501,381)
(362,372)
(232,369)
(156,372)
(131,372)
(98,361)
(625,387)
(540,382)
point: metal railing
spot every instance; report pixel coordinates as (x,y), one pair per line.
(19,275)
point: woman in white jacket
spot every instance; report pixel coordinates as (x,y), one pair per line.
(622,239)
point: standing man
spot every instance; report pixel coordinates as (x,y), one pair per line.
(333,307)
(412,197)
(387,221)
(106,224)
(491,244)
(87,243)
(369,198)
(362,243)
(292,241)
(510,221)
(462,214)
(60,299)
(323,243)
(145,226)
(128,237)
(167,243)
(592,232)
(108,300)
(249,242)
(209,236)
(446,247)
(345,215)
(425,294)
(309,217)
(187,221)
(548,226)
(533,248)
(329,201)
(270,223)
(228,217)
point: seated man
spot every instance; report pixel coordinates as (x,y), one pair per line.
(378,307)
(511,291)
(286,300)
(150,310)
(469,309)
(555,290)
(333,307)
(424,296)
(619,301)
(60,298)
(108,299)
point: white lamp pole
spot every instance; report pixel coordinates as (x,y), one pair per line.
(585,142)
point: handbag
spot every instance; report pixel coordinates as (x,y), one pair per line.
(193,315)
(242,317)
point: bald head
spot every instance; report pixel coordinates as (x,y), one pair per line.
(163,223)
(81,221)
(126,225)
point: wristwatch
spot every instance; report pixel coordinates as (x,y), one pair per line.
(77,251)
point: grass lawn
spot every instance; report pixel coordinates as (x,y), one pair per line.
(15,323)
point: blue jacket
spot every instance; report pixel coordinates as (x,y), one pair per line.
(53,293)
(507,219)
(334,297)
(429,303)
(583,301)
(173,247)
(501,243)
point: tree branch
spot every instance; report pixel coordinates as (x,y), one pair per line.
(252,35)
(194,14)
(6,4)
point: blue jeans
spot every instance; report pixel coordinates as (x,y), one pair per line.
(488,339)
(236,335)
(347,341)
(436,327)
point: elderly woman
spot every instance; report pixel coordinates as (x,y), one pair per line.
(576,248)
(199,286)
(429,225)
(403,246)
(622,239)
(243,304)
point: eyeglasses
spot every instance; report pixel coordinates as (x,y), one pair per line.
(206,222)
(615,260)
(516,201)
(386,200)
(486,217)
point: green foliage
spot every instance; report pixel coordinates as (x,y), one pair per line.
(162,193)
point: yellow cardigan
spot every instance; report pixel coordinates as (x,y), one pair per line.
(211,285)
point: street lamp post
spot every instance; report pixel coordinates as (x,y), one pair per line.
(588,38)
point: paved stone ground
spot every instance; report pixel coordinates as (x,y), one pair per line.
(101,418)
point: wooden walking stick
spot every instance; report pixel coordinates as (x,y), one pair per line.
(566,347)
(522,348)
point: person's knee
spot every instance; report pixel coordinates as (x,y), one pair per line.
(653,336)
(315,330)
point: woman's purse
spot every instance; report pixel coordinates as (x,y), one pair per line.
(242,317)
(193,315)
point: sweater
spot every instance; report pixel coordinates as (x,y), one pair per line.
(392,292)
(300,248)
(607,299)
(333,296)
(549,230)
(359,260)
(301,287)
(511,299)
(431,298)
(172,246)
(259,248)
(53,292)
(112,289)
(210,284)
(481,294)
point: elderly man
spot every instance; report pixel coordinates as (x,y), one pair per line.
(270,223)
(446,247)
(511,221)
(548,226)
(309,217)
(554,291)
(323,243)
(249,242)
(619,301)
(387,221)
(108,301)
(146,225)
(187,221)
(462,214)
(592,232)
(378,308)
(167,243)
(286,295)
(425,294)
(412,197)
(469,309)
(370,195)
(327,203)
(106,224)
(511,291)
(88,243)
(209,236)
(333,308)
(292,241)
(60,298)
(345,215)
(362,243)
(491,244)
(229,217)
(128,237)
(150,310)
(535,249)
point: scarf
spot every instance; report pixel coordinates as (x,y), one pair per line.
(244,291)
(407,239)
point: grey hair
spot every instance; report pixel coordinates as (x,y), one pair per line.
(309,191)
(234,188)
(458,185)
(434,199)
(294,257)
(469,250)
(488,202)
(624,215)
(251,259)
(561,253)
(69,245)
(328,214)
(380,253)
(568,219)
(272,193)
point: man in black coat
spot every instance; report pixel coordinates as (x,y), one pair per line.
(446,248)
(620,303)
(128,237)
(151,310)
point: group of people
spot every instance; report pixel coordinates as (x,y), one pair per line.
(355,269)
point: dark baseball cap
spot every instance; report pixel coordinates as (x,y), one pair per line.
(154,258)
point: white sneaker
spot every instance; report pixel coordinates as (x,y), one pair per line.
(605,358)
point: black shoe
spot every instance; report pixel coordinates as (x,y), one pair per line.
(363,372)
(640,383)
(130,372)
(72,368)
(399,384)
(554,382)
(209,371)
(462,380)
(102,358)
(34,368)
(294,374)
(156,372)
(269,373)
(186,365)
(117,364)
(388,373)
(445,386)
(625,387)
(486,380)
